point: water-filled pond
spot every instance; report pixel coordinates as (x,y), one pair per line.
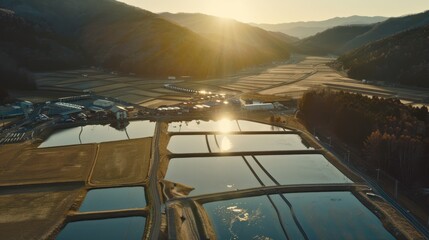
(113,199)
(211,174)
(236,143)
(298,169)
(130,228)
(224,125)
(99,133)
(321,215)
(219,174)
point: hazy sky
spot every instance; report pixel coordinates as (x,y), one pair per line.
(277,11)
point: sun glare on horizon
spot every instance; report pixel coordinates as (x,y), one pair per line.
(230,9)
(281,11)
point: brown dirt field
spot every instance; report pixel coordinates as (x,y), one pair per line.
(110,87)
(122,162)
(34,213)
(164,91)
(9,152)
(158,102)
(132,98)
(175,98)
(24,165)
(145,93)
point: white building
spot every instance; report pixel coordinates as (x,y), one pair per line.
(257,106)
(103,103)
(254,105)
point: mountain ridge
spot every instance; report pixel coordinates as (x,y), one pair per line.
(303,29)
(143,43)
(342,39)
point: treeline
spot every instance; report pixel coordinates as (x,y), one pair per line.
(393,137)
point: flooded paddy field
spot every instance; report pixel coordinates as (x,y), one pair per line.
(229,173)
(223,125)
(99,133)
(236,143)
(211,174)
(130,228)
(295,216)
(239,185)
(104,199)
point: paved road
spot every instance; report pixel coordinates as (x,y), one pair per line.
(155,214)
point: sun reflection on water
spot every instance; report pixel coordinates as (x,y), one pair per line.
(225,125)
(225,144)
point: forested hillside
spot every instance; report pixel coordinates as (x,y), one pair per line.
(400,59)
(128,39)
(25,47)
(342,39)
(390,27)
(331,40)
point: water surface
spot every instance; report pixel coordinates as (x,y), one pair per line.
(211,174)
(113,199)
(321,215)
(302,169)
(244,218)
(236,143)
(129,228)
(224,125)
(98,134)
(342,214)
(220,174)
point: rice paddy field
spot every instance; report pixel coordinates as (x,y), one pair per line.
(290,80)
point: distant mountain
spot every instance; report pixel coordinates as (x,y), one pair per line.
(129,39)
(402,58)
(233,33)
(306,29)
(339,40)
(388,28)
(330,41)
